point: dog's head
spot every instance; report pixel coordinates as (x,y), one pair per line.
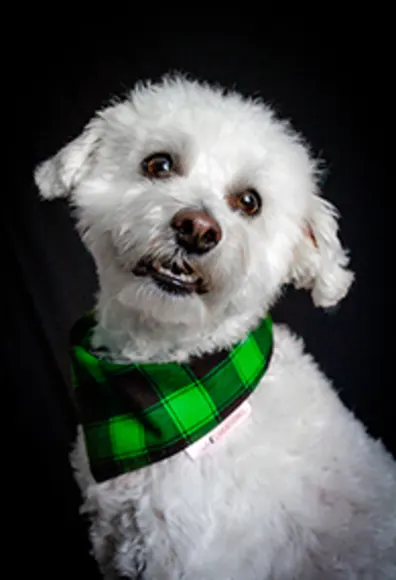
(197,203)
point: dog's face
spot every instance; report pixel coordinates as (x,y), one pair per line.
(196,205)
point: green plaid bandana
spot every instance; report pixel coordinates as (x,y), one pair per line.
(137,414)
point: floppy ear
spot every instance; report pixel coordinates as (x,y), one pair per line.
(57,176)
(320,263)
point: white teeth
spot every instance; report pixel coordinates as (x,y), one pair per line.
(189,278)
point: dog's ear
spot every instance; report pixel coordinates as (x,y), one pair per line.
(57,176)
(320,262)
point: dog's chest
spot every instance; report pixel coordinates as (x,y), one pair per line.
(190,513)
(270,488)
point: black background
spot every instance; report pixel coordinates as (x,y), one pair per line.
(329,83)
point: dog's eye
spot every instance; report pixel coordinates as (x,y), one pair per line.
(158,165)
(248,201)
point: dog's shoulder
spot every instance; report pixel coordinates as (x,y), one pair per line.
(291,355)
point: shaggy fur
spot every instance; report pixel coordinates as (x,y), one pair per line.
(299,491)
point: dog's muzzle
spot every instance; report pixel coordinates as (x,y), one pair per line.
(196,232)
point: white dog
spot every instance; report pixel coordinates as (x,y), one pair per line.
(198,206)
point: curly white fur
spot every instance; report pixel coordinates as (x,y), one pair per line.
(299,491)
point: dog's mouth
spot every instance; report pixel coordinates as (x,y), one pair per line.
(175,275)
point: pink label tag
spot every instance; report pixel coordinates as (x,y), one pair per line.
(218,433)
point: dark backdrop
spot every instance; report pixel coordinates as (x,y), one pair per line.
(328,84)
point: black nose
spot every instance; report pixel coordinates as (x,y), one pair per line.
(196,231)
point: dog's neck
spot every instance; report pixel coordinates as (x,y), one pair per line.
(129,336)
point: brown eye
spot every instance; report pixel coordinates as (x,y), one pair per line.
(248,201)
(158,165)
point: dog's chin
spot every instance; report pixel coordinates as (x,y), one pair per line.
(163,305)
(167,291)
(176,276)
(174,289)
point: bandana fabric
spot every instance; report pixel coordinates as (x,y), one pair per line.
(134,415)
